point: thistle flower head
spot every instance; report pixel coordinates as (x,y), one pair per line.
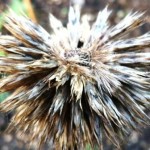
(78,83)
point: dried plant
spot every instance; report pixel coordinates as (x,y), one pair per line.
(80,82)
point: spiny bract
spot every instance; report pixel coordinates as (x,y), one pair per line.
(80,82)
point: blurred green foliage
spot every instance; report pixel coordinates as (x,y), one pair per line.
(3,96)
(88,147)
(17,6)
(1,21)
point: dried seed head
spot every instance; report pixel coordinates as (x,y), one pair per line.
(78,83)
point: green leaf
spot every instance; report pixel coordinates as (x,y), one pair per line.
(3,96)
(2,53)
(1,21)
(17,6)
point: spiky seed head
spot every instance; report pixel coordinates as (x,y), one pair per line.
(80,82)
